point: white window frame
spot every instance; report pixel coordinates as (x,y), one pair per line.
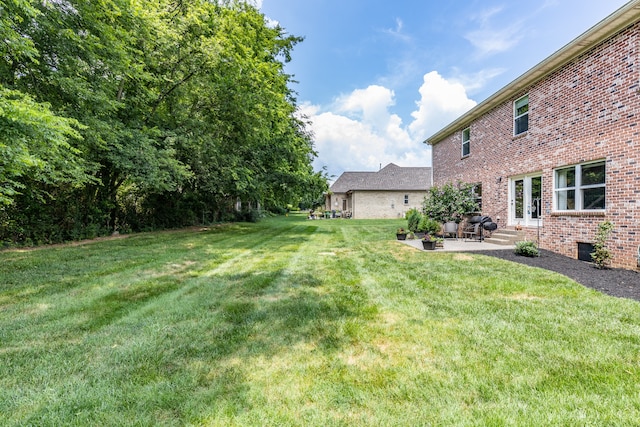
(577,188)
(517,116)
(466,142)
(406,199)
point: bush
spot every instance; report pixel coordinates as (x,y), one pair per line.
(413,219)
(526,248)
(248,215)
(601,255)
(278,210)
(429,226)
(450,202)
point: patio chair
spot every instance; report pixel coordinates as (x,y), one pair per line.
(472,231)
(450,229)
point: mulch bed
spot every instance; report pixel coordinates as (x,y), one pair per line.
(613,281)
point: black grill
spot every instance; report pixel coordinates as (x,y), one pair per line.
(485,222)
(480,219)
(490,226)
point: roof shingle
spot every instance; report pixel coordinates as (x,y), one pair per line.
(391,177)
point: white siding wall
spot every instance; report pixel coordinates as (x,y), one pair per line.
(385,204)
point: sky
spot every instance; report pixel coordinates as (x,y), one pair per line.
(376,78)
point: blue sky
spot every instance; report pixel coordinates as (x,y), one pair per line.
(376,78)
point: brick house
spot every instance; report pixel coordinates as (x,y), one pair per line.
(557,151)
(387,193)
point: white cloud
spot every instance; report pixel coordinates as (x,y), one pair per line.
(441,102)
(370,104)
(271,23)
(477,81)
(490,40)
(397,32)
(484,16)
(360,133)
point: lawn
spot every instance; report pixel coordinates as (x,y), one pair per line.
(309,323)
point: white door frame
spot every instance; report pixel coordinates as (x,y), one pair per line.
(525,204)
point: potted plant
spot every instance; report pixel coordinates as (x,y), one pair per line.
(431,228)
(401,234)
(429,243)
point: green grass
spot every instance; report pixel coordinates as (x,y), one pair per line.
(296,322)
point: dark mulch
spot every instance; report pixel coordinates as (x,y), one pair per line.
(613,281)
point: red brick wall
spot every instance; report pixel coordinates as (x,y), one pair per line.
(587,110)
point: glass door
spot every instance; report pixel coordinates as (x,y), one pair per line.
(535,201)
(526,196)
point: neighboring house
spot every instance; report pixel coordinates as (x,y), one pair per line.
(557,151)
(388,193)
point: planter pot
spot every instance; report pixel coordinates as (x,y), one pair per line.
(401,236)
(428,245)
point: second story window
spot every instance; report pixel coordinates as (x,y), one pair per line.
(521,115)
(466,136)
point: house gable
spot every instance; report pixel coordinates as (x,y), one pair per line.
(387,193)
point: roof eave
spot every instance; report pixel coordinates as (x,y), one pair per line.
(613,24)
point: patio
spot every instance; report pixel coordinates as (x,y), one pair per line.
(459,245)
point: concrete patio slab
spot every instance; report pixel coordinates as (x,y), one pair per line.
(460,245)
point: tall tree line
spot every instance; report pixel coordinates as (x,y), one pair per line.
(139,114)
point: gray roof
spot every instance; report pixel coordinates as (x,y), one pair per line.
(391,177)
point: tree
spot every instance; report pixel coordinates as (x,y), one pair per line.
(34,142)
(157,112)
(450,202)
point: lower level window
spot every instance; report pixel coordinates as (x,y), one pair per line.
(406,199)
(580,187)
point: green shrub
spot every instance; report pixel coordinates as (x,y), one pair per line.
(527,248)
(450,202)
(279,210)
(429,226)
(247,215)
(413,217)
(601,255)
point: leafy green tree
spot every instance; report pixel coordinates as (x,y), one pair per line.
(15,49)
(450,202)
(244,139)
(158,113)
(35,143)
